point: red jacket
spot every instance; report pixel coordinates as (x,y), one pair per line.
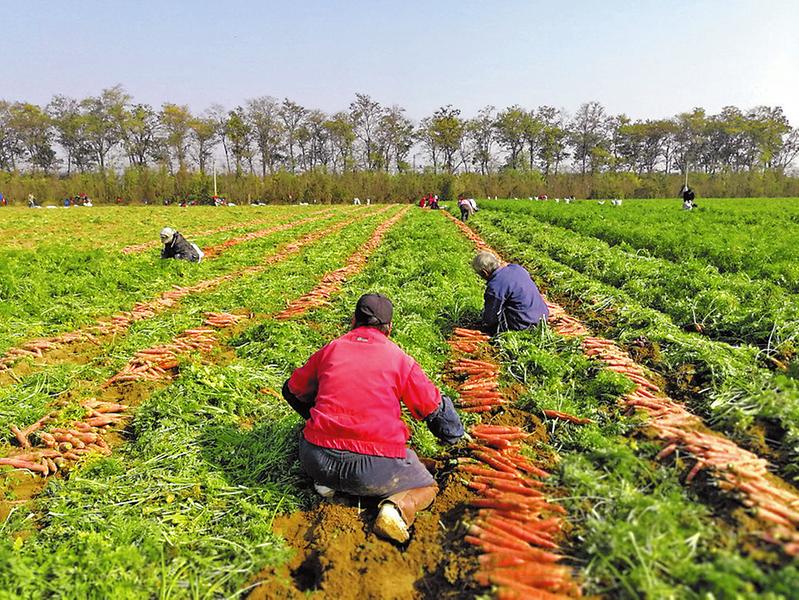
(356,383)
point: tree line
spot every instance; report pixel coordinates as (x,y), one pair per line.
(265,136)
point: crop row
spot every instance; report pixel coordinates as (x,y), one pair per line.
(722,383)
(730,308)
(119,323)
(735,470)
(193,489)
(753,237)
(50,291)
(111,228)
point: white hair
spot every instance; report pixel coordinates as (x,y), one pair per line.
(167,233)
(485,263)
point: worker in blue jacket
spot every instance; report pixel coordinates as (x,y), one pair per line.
(512,300)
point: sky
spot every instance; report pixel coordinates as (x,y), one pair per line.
(644,58)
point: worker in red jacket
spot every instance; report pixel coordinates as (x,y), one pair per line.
(354,441)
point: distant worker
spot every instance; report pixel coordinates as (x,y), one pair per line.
(176,246)
(368,202)
(465,207)
(354,441)
(512,301)
(688,198)
(32,201)
(3,201)
(356,201)
(434,203)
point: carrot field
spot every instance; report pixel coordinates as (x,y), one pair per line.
(644,443)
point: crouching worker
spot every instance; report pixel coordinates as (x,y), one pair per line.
(354,441)
(512,301)
(176,246)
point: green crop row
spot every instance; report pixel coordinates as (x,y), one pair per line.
(730,308)
(637,531)
(52,290)
(25,402)
(720,382)
(754,236)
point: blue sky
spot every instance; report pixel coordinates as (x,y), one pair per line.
(645,58)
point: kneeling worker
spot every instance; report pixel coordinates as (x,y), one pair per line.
(354,441)
(512,301)
(176,246)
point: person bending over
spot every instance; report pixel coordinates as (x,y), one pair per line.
(512,301)
(354,441)
(176,246)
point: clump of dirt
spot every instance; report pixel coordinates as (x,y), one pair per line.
(338,556)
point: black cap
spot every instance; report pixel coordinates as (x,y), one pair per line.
(373,309)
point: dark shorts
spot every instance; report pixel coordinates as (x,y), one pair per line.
(363,474)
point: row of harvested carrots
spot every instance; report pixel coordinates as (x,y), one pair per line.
(217,249)
(516,527)
(734,469)
(331,283)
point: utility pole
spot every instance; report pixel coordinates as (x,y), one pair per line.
(215,192)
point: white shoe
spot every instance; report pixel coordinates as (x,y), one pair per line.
(391,525)
(323,490)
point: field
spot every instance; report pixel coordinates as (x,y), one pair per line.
(649,431)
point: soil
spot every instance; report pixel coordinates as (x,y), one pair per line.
(338,556)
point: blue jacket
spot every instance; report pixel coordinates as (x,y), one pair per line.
(512,301)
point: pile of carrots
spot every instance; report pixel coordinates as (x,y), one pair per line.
(153,364)
(516,526)
(479,392)
(221,319)
(61,446)
(331,283)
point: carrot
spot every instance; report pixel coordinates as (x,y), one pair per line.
(516,489)
(555,414)
(521,533)
(480,471)
(495,462)
(496,429)
(492,503)
(24,464)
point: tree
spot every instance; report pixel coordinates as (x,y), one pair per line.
(532,128)
(446,130)
(341,135)
(205,134)
(69,123)
(588,136)
(395,138)
(480,132)
(365,115)
(140,128)
(33,129)
(264,115)
(239,133)
(103,117)
(291,115)
(176,121)
(510,128)
(552,141)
